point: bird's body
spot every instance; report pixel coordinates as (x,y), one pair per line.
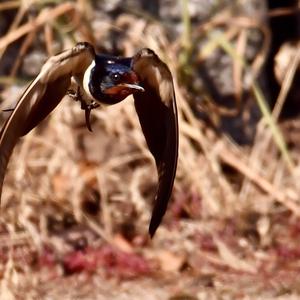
(107,80)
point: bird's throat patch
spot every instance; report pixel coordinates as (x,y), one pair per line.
(118,91)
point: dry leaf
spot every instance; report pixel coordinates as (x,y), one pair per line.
(122,244)
(170,262)
(232,260)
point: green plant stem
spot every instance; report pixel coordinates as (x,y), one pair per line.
(261,101)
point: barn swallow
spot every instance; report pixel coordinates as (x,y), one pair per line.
(105,80)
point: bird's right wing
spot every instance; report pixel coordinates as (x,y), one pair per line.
(42,96)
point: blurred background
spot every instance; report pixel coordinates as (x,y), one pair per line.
(76,205)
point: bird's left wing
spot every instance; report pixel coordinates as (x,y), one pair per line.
(42,96)
(156,108)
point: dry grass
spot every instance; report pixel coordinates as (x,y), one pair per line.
(232,227)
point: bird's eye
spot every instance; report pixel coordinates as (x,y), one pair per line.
(115,77)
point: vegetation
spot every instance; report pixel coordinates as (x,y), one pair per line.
(76,205)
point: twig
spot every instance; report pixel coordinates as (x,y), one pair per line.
(260,181)
(18,18)
(24,48)
(278,12)
(48,38)
(9,5)
(287,82)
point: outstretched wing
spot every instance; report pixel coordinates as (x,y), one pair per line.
(156,108)
(42,96)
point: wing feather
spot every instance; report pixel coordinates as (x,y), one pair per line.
(157,112)
(41,97)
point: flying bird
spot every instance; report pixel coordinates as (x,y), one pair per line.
(103,79)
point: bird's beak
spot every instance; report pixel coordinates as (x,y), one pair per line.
(124,89)
(132,86)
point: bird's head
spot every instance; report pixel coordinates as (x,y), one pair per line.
(111,80)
